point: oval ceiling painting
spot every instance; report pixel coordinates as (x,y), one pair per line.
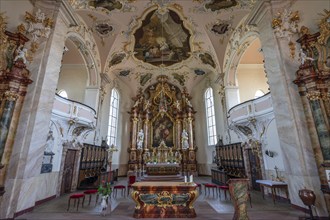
(162,39)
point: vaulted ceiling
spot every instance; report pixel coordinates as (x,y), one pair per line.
(139,40)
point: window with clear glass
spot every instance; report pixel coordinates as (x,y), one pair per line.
(63,94)
(258,93)
(210,117)
(113,118)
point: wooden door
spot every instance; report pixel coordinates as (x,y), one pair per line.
(255,168)
(69,165)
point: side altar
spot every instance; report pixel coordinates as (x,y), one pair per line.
(164,199)
(162,140)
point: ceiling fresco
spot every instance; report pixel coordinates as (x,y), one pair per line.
(138,40)
(162,39)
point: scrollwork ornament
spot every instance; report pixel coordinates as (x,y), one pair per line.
(324,26)
(3,40)
(11,96)
(285,24)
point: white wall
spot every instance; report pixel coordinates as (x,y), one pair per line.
(204,153)
(251,77)
(73,79)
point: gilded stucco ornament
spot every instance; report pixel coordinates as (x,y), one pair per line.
(324,26)
(3,41)
(11,96)
(39,26)
(285,24)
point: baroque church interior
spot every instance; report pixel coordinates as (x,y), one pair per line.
(233,94)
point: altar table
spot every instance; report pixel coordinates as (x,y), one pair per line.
(164,199)
(273,185)
(162,168)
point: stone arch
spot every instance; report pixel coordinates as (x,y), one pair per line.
(90,61)
(240,40)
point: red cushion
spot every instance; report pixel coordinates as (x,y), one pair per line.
(90,191)
(223,187)
(210,185)
(75,196)
(119,187)
(131,179)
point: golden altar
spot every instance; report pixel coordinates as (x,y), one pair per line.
(163,169)
(162,130)
(164,199)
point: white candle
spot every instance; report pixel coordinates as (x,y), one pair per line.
(185,179)
(190,178)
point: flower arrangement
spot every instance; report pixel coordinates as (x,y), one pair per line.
(104,189)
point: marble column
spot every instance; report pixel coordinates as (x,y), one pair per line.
(321,127)
(299,160)
(23,175)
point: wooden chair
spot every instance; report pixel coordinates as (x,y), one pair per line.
(209,186)
(121,187)
(91,192)
(131,180)
(76,197)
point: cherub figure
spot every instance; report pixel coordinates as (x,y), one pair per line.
(21,52)
(304,57)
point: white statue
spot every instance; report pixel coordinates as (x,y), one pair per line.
(21,52)
(140,139)
(50,142)
(304,57)
(184,139)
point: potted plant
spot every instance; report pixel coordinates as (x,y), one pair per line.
(105,191)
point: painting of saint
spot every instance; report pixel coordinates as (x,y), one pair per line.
(162,39)
(162,131)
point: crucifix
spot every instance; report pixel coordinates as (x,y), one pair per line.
(110,151)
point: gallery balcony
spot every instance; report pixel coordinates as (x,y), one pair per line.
(251,109)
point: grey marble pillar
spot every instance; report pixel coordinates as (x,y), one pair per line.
(321,127)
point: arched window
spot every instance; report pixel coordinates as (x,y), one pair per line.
(113,118)
(63,94)
(210,117)
(258,93)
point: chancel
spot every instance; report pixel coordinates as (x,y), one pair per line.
(164,109)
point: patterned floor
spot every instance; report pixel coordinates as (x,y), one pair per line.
(207,207)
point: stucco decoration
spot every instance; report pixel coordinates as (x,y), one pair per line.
(145,78)
(107,4)
(3,41)
(117,58)
(207,59)
(179,78)
(162,38)
(38,26)
(199,72)
(221,28)
(285,24)
(216,5)
(124,72)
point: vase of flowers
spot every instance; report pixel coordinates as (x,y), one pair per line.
(104,191)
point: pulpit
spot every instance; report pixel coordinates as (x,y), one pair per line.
(164,199)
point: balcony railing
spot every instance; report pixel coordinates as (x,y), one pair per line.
(74,111)
(251,108)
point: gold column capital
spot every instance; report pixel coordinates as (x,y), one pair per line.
(313,95)
(11,95)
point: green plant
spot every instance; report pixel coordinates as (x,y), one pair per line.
(104,189)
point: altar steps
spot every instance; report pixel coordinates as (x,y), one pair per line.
(169,178)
